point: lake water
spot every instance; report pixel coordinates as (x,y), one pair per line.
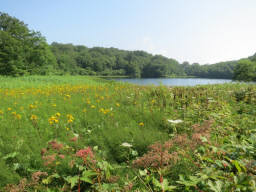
(173,81)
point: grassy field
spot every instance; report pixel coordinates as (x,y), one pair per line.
(75,133)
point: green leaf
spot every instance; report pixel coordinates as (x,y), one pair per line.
(86,176)
(238,166)
(72,180)
(10,155)
(164,185)
(216,187)
(143,172)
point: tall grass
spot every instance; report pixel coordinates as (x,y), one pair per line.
(102,114)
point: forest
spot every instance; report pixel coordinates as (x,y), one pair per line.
(26,52)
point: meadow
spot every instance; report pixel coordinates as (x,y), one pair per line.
(75,133)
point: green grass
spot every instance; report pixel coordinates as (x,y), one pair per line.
(104,114)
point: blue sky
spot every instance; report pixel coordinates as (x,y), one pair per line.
(204,31)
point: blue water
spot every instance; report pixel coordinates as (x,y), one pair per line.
(173,81)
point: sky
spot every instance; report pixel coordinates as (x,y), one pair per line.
(197,31)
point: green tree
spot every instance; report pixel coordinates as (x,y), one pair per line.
(245,70)
(23,51)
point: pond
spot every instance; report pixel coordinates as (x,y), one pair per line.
(173,81)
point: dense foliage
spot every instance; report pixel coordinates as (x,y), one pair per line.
(110,61)
(245,70)
(22,51)
(224,70)
(80,134)
(25,52)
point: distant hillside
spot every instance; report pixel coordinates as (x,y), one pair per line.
(111,61)
(25,52)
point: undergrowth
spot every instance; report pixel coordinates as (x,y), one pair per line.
(84,134)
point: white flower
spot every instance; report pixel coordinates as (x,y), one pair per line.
(174,121)
(126,144)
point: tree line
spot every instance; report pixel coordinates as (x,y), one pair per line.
(26,52)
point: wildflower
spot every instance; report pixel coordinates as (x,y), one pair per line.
(31,106)
(70,118)
(67,96)
(85,153)
(36,176)
(92,106)
(174,121)
(67,129)
(54,105)
(33,117)
(49,159)
(57,114)
(43,151)
(53,120)
(126,144)
(9,108)
(117,104)
(141,124)
(153,101)
(55,145)
(74,139)
(84,110)
(106,111)
(18,116)
(1,112)
(61,156)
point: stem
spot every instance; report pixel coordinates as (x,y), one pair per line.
(79,189)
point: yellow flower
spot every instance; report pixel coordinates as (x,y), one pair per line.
(67,128)
(141,124)
(117,104)
(84,110)
(1,112)
(153,101)
(57,114)
(9,109)
(67,96)
(53,120)
(33,117)
(14,113)
(54,105)
(18,116)
(32,106)
(92,106)
(69,116)
(70,120)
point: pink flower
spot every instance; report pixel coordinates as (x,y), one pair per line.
(85,153)
(55,145)
(74,139)
(61,156)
